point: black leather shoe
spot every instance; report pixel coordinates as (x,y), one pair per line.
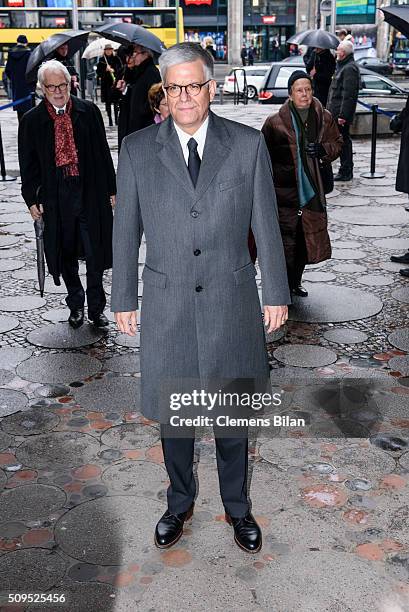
(170,528)
(99,320)
(343,177)
(300,291)
(407,208)
(76,318)
(401,258)
(404,272)
(247,534)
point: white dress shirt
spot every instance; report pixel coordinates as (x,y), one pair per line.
(199,136)
(60,108)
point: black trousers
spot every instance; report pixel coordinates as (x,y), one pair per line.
(232,467)
(295,269)
(75,244)
(346,158)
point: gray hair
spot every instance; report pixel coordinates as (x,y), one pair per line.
(183,53)
(52,66)
(346,46)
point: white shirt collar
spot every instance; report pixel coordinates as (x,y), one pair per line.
(59,108)
(199,136)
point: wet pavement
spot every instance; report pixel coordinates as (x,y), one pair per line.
(82,480)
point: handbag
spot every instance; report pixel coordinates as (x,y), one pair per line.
(327,176)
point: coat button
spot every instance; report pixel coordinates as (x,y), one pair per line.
(194,214)
(199,288)
(197,252)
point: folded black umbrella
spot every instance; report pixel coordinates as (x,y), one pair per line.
(315,38)
(131,33)
(398,17)
(39,232)
(75,39)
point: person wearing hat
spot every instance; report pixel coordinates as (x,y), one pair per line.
(303,140)
(108,69)
(16,71)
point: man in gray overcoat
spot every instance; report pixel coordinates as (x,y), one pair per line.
(194,185)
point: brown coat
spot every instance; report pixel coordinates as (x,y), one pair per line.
(282,145)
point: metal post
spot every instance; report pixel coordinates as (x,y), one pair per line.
(4,178)
(333,16)
(221,93)
(177,4)
(372,174)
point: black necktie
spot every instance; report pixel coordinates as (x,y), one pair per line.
(193,163)
(60,111)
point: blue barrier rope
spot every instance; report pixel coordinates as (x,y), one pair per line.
(16,103)
(380,111)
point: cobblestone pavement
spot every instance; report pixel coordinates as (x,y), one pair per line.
(82,478)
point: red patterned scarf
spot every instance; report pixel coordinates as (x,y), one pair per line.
(66,156)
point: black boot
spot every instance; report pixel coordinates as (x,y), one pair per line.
(247,534)
(170,528)
(343,176)
(76,318)
(404,259)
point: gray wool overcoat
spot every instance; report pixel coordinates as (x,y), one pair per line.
(200,314)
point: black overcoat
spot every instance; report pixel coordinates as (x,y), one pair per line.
(135,112)
(16,72)
(39,178)
(107,82)
(402,175)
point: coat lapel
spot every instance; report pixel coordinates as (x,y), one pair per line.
(171,155)
(215,153)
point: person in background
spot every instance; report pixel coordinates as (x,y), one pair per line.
(158,103)
(342,101)
(68,176)
(321,67)
(15,70)
(300,137)
(250,55)
(400,123)
(243,55)
(61,55)
(276,55)
(108,69)
(139,76)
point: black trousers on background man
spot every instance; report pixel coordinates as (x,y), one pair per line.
(76,244)
(346,159)
(232,466)
(295,269)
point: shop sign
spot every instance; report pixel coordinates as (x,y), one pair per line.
(269,19)
(15,3)
(198,2)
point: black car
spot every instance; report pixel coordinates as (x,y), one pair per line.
(376,65)
(274,88)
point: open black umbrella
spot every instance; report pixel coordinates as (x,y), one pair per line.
(398,17)
(131,33)
(315,38)
(39,232)
(75,39)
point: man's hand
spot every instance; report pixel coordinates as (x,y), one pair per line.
(112,199)
(341,121)
(36,211)
(275,317)
(126,322)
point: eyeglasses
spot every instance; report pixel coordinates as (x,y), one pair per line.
(193,89)
(61,87)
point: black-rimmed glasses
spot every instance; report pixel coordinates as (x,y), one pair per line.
(61,87)
(192,89)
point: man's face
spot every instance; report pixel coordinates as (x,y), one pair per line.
(63,50)
(139,55)
(189,111)
(341,55)
(301,93)
(58,97)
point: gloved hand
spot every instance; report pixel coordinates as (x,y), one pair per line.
(315,150)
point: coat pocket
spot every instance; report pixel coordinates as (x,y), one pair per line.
(231,183)
(244,274)
(154,278)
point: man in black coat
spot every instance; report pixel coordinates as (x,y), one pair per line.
(342,100)
(16,71)
(108,69)
(321,66)
(67,176)
(135,112)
